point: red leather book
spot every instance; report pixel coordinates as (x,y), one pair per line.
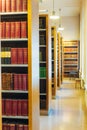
(5,126)
(19,4)
(20,82)
(3,29)
(19,107)
(12,29)
(24,5)
(25,127)
(19,127)
(14,107)
(20,56)
(17,29)
(8,107)
(13,5)
(14,56)
(23,29)
(3,5)
(8,5)
(16,82)
(12,127)
(25,55)
(25,107)
(3,106)
(25,82)
(0,30)
(8,30)
(0,5)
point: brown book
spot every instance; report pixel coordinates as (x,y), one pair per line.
(12,29)
(19,107)
(19,4)
(8,5)
(20,56)
(0,30)
(16,82)
(20,82)
(25,107)
(23,29)
(14,107)
(3,106)
(3,5)
(17,30)
(13,5)
(24,82)
(3,29)
(24,5)
(5,126)
(25,127)
(14,56)
(8,107)
(25,55)
(0,5)
(8,30)
(12,126)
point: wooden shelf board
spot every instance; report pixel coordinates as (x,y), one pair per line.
(15,117)
(13,91)
(15,39)
(13,13)
(14,65)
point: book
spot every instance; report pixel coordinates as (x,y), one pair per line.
(19,107)
(0,5)
(12,127)
(23,29)
(25,55)
(25,127)
(7,55)
(13,5)
(20,81)
(14,107)
(24,5)
(15,82)
(8,107)
(24,110)
(8,30)
(2,55)
(24,82)
(17,30)
(19,4)
(8,5)
(14,56)
(3,30)
(20,55)
(5,126)
(3,106)
(19,127)
(12,29)
(3,5)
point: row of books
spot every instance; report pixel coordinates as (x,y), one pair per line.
(13,5)
(70,69)
(15,107)
(71,56)
(42,40)
(14,55)
(6,126)
(16,29)
(70,62)
(42,55)
(42,23)
(70,49)
(42,72)
(68,43)
(12,81)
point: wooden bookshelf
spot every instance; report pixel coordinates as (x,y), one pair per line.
(71,58)
(54,60)
(45,64)
(19,59)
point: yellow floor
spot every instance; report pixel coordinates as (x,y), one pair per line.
(69,111)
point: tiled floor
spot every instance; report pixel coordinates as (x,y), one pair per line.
(69,110)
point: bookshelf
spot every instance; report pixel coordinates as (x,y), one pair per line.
(19,58)
(61,59)
(71,58)
(54,60)
(45,64)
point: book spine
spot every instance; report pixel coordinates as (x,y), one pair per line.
(14,107)
(25,55)
(24,5)
(8,30)
(12,127)
(13,55)
(19,106)
(3,5)
(8,106)
(25,127)
(0,30)
(15,81)
(20,56)
(23,29)
(3,29)
(13,5)
(25,107)
(25,82)
(3,106)
(17,30)
(20,82)
(8,5)
(12,29)
(2,55)
(0,5)
(19,4)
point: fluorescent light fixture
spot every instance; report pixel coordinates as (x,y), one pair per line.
(53,16)
(43,11)
(60,29)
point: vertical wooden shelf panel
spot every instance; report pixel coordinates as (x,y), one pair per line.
(61,59)
(45,64)
(25,39)
(71,59)
(54,60)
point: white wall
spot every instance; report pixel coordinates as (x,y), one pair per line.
(71,28)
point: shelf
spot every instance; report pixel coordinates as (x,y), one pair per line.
(70,58)
(43,94)
(13,13)
(70,64)
(14,65)
(43,78)
(41,62)
(15,39)
(13,91)
(70,52)
(16,117)
(42,29)
(42,46)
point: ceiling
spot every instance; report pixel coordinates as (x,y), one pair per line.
(68,7)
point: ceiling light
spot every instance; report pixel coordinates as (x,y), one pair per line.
(60,28)
(43,11)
